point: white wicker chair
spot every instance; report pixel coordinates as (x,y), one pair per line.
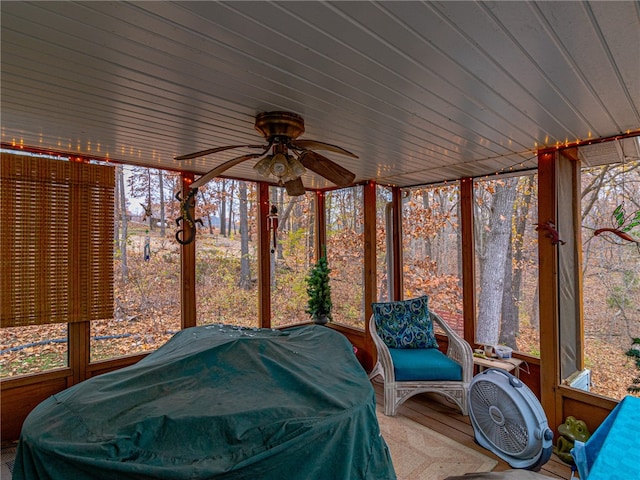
(396,392)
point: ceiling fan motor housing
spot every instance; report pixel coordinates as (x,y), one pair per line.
(508,420)
(279,124)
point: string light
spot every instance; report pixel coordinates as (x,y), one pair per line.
(589,141)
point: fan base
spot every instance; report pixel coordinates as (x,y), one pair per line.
(279,124)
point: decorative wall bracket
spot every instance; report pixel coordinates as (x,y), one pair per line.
(551,230)
(186,207)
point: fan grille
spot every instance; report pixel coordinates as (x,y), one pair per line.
(499,418)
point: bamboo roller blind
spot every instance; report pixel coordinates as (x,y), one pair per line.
(56,240)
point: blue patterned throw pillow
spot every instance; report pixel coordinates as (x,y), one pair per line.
(405,324)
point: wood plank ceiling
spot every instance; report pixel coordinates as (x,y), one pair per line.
(420,91)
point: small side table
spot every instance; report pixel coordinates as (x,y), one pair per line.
(507,364)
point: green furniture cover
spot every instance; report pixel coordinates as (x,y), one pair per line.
(215,402)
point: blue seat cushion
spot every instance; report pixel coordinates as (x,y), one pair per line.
(405,323)
(423,364)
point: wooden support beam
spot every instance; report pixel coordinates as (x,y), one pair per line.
(321,225)
(264,257)
(548,281)
(468,266)
(370,286)
(370,267)
(396,245)
(79,344)
(188,266)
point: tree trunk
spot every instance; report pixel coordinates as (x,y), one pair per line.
(283,222)
(518,244)
(124,222)
(210,223)
(311,237)
(245,271)
(355,208)
(249,209)
(509,311)
(492,278)
(277,197)
(479,235)
(223,208)
(149,199)
(162,218)
(426,242)
(535,309)
(117,215)
(230,217)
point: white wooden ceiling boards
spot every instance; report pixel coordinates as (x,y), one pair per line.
(420,91)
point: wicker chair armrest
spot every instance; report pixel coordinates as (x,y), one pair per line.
(384,357)
(458,349)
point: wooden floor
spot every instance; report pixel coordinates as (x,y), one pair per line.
(430,411)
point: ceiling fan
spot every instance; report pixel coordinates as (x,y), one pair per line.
(285,157)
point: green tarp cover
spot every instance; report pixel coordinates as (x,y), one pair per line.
(215,402)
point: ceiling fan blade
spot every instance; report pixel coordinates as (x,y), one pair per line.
(294,187)
(211,151)
(316,145)
(327,168)
(222,168)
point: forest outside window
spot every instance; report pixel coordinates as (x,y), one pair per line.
(345,253)
(505,218)
(384,237)
(292,253)
(610,205)
(146,265)
(431,249)
(227,253)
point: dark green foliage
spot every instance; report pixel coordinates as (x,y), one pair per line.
(319,290)
(620,218)
(634,352)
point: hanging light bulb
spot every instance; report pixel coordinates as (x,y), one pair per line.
(279,165)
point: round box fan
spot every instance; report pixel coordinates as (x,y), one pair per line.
(508,420)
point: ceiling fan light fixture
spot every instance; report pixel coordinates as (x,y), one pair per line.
(263,167)
(281,130)
(297,169)
(279,165)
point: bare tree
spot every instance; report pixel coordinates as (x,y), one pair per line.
(509,320)
(514,266)
(245,272)
(492,278)
(117,215)
(223,208)
(161,191)
(230,219)
(123,225)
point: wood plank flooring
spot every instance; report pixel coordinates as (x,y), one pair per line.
(430,411)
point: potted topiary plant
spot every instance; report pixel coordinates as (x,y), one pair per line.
(319,304)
